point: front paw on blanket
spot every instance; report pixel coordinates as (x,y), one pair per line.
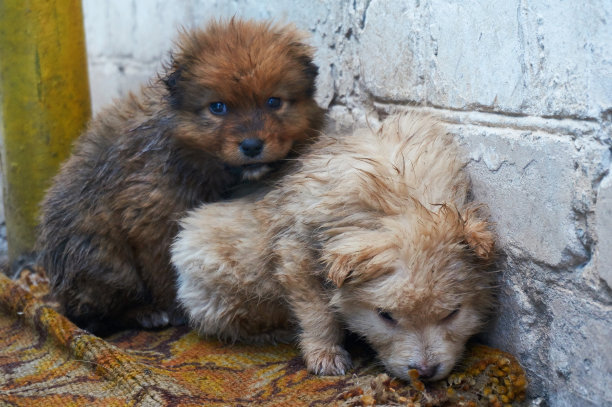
(332,361)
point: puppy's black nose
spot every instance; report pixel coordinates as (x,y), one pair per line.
(425,371)
(251,147)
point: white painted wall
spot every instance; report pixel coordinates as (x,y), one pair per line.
(526,85)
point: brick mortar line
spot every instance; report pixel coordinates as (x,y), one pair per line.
(568,126)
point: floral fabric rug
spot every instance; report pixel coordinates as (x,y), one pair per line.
(47,361)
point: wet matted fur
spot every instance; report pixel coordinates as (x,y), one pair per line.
(373,232)
(236,99)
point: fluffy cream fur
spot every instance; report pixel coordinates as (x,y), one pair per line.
(371,231)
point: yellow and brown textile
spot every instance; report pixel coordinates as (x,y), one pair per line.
(47,361)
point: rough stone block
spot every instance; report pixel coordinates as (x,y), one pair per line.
(536,188)
(389,51)
(558,331)
(603,230)
(568,57)
(514,57)
(580,360)
(476,64)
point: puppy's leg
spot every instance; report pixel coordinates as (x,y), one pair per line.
(160,307)
(99,307)
(321,336)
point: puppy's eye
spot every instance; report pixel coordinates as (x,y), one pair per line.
(452,315)
(274,103)
(218,108)
(386,316)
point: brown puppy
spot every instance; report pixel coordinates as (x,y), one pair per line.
(373,231)
(236,99)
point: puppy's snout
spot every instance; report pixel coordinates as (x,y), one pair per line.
(425,370)
(251,147)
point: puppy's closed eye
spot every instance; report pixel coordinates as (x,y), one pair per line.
(452,314)
(387,317)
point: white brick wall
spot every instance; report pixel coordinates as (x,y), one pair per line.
(527,86)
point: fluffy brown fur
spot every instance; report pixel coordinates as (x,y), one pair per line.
(236,99)
(373,231)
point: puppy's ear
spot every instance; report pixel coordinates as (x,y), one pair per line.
(303,53)
(310,71)
(360,256)
(172,81)
(339,270)
(478,235)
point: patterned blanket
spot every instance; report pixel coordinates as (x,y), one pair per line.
(47,361)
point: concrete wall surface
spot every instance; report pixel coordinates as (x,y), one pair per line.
(527,88)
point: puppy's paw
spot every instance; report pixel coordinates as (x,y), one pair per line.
(155,319)
(331,361)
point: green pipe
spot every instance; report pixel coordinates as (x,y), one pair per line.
(44,105)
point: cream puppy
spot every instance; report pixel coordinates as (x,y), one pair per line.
(370,231)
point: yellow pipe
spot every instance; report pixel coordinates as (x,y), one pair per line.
(44,104)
